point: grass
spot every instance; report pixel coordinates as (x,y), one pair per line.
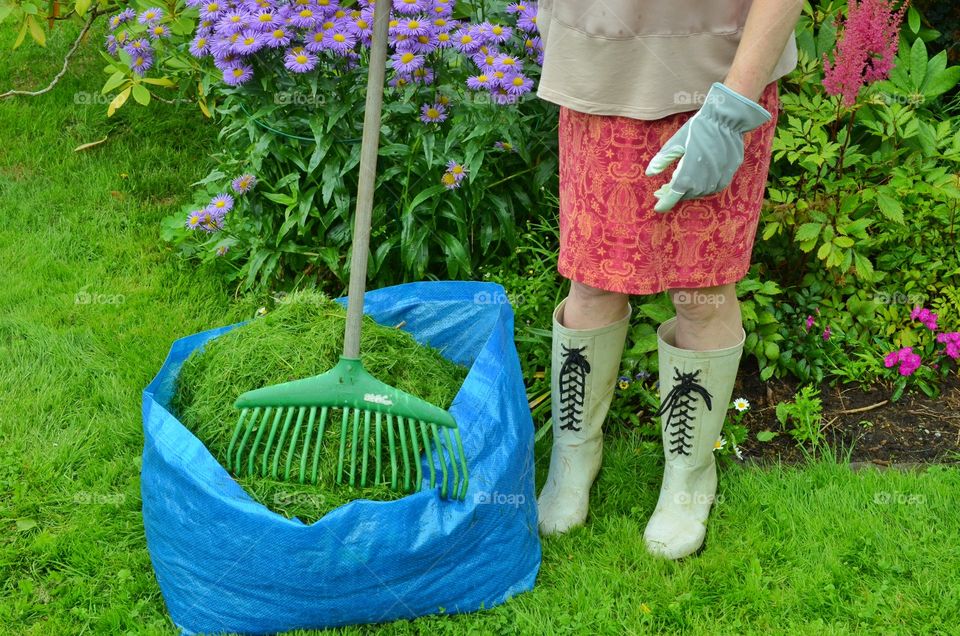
(810,550)
(303,336)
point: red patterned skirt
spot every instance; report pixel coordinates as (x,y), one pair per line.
(611,238)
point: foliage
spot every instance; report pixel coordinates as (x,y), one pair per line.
(803,418)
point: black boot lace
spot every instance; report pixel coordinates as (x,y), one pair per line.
(573,386)
(680,405)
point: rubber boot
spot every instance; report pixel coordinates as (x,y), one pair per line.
(583,374)
(695,389)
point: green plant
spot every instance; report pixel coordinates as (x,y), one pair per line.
(803,418)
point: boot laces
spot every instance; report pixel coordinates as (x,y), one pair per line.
(573,385)
(680,405)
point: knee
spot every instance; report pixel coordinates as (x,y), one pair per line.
(587,295)
(705,305)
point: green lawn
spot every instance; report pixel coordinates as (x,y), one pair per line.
(818,549)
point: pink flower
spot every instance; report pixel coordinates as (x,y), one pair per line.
(865,49)
(906,358)
(952,342)
(810,322)
(925,316)
(826,333)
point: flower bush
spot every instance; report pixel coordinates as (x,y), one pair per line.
(282,77)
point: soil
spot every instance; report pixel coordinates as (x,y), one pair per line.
(914,430)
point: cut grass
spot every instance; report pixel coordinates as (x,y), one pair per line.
(302,337)
(805,550)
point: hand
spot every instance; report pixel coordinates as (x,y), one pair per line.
(709,147)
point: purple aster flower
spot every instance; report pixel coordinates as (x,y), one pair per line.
(222,249)
(122,18)
(443,40)
(277,37)
(501,97)
(223,202)
(341,39)
(362,26)
(422,76)
(316,40)
(150,16)
(244,183)
(412,27)
(138,46)
(200,46)
(496,33)
(517,84)
(465,41)
(507,64)
(399,81)
(481,81)
(442,24)
(442,7)
(406,62)
(433,113)
(237,74)
(195,218)
(527,19)
(517,7)
(233,21)
(485,57)
(409,7)
(305,17)
(111,45)
(223,46)
(249,42)
(141,62)
(300,61)
(159,31)
(457,170)
(212,10)
(265,20)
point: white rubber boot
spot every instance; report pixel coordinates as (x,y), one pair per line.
(695,389)
(583,374)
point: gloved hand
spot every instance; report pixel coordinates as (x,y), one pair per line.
(709,146)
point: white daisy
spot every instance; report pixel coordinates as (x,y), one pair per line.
(741,404)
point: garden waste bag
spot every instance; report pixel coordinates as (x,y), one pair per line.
(226,563)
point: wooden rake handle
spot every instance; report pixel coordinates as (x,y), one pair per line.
(369,148)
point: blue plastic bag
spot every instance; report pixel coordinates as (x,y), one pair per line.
(228,564)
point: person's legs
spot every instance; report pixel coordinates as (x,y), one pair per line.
(589,330)
(699,353)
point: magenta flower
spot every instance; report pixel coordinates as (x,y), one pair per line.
(826,333)
(906,358)
(810,321)
(952,342)
(925,316)
(865,49)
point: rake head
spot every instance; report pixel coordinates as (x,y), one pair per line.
(367,413)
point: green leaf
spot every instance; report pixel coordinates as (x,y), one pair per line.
(808,231)
(36,31)
(141,94)
(766,436)
(82,6)
(890,207)
(330,179)
(276,197)
(113,82)
(936,85)
(26,524)
(864,267)
(423,195)
(913,18)
(918,64)
(767,373)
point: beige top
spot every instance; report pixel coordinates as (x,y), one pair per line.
(644,59)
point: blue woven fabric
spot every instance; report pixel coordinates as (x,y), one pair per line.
(225,563)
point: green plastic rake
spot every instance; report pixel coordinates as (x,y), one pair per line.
(267,439)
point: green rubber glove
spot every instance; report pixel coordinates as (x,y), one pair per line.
(709,147)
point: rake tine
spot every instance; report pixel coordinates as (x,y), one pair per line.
(443,461)
(316,451)
(250,424)
(293,444)
(343,443)
(455,487)
(280,443)
(376,478)
(393,453)
(403,446)
(366,439)
(252,452)
(429,454)
(265,464)
(416,455)
(353,446)
(236,434)
(306,443)
(463,462)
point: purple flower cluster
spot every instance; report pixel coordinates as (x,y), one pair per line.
(906,358)
(211,217)
(500,72)
(139,49)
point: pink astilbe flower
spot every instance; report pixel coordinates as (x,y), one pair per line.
(866,48)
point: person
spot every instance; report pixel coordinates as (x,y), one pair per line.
(667,116)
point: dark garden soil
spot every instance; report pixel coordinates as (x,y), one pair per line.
(914,430)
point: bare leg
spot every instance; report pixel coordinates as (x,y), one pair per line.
(591,308)
(707,318)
